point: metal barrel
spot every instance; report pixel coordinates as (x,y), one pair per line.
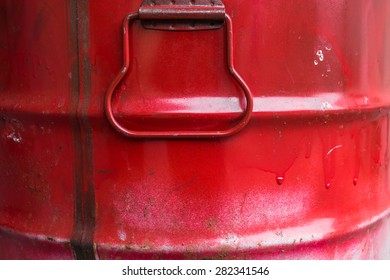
(194,129)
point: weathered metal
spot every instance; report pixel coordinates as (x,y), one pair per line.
(308,177)
(182,9)
(182,15)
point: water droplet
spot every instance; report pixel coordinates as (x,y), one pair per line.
(122,235)
(279,180)
(320,55)
(329,160)
(326,106)
(357,158)
(308,149)
(15,137)
(315,62)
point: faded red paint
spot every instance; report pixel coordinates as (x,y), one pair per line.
(307,178)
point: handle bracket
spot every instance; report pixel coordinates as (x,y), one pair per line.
(245,117)
(183,15)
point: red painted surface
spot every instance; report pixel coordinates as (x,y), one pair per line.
(307,178)
(175,134)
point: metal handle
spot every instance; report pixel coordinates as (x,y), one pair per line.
(178,134)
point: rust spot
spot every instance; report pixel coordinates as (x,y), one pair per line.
(147,246)
(294,244)
(212,224)
(191,254)
(158,256)
(279,233)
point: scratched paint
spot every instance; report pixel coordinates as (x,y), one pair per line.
(306,179)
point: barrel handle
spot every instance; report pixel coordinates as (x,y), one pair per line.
(246,115)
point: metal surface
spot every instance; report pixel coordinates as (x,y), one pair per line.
(183,15)
(308,177)
(180,133)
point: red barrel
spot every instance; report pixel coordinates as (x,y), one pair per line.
(194,129)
